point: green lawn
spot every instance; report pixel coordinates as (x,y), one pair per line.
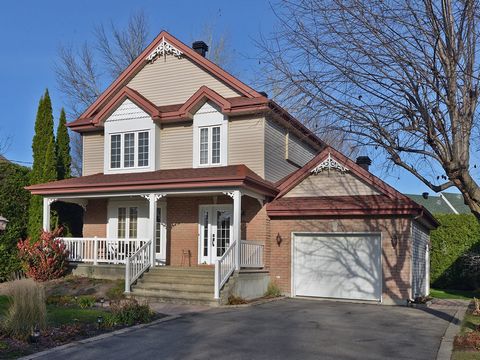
(454,294)
(59,315)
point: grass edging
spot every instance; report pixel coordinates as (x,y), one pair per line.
(99,337)
(445,349)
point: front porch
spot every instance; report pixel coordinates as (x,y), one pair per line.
(182,229)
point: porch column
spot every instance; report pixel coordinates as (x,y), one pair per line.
(153,198)
(46,213)
(237,226)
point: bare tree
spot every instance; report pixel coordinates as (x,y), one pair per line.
(83,73)
(400,76)
(220,51)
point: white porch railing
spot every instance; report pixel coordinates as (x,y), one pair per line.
(101,250)
(251,254)
(137,264)
(224,267)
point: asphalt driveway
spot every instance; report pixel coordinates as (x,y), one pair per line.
(286,329)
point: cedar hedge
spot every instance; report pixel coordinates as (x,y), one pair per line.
(454,247)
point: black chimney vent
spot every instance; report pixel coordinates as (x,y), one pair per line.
(364,162)
(263,93)
(425,195)
(200,47)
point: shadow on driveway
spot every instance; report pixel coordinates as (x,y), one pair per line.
(287,329)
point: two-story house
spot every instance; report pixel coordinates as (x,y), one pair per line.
(185,166)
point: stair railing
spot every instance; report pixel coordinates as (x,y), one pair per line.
(224,267)
(137,264)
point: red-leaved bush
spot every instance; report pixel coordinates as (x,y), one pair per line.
(45,259)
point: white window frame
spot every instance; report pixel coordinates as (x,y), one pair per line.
(129,118)
(135,147)
(209,116)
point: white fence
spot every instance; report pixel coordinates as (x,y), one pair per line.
(251,254)
(101,250)
(137,264)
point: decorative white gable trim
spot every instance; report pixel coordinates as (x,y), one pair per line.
(164,48)
(329,164)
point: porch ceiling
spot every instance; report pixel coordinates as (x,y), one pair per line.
(207,179)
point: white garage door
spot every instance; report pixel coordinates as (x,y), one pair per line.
(346,266)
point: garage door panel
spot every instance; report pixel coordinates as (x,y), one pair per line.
(338,266)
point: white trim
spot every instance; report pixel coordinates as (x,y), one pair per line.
(162,259)
(300,233)
(449,204)
(217,191)
(329,164)
(164,48)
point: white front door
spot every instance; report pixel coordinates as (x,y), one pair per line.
(215,231)
(161,235)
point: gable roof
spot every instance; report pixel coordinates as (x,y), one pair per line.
(289,182)
(249,102)
(143,59)
(445,203)
(388,202)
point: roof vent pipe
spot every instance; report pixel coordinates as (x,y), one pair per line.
(425,195)
(200,47)
(364,162)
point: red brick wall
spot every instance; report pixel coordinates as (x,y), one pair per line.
(95,221)
(396,262)
(182,224)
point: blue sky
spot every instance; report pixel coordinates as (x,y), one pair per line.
(32,31)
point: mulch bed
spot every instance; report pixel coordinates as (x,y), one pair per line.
(52,337)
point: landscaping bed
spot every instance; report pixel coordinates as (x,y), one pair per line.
(467,342)
(76,308)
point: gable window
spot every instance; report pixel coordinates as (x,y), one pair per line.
(210,136)
(129,150)
(210,145)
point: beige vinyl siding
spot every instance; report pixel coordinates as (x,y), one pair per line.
(93,152)
(298,151)
(331,183)
(169,80)
(276,165)
(245,143)
(176,147)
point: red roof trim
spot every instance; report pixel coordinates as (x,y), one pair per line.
(242,177)
(141,61)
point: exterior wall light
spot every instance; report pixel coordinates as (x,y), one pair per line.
(279,239)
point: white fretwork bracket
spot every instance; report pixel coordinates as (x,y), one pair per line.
(157,196)
(50,201)
(329,164)
(231,193)
(164,48)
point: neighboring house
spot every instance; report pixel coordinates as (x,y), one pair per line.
(444,203)
(186,166)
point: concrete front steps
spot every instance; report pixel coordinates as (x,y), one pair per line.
(179,285)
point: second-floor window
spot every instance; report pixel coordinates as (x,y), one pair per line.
(129,150)
(210,145)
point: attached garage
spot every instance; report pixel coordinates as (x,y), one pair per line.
(337,265)
(340,232)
